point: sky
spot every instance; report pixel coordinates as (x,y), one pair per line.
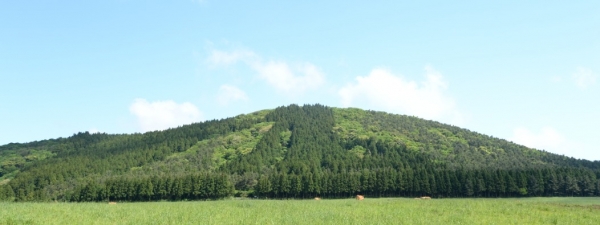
(525,71)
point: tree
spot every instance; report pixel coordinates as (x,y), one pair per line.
(264,188)
(6,193)
(571,186)
(146,189)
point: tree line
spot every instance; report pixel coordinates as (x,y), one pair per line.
(436,183)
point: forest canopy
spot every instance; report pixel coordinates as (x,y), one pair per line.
(289,152)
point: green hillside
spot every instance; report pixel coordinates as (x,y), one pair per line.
(289,152)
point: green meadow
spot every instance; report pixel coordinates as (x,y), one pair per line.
(337,211)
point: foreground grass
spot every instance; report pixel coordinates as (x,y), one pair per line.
(346,211)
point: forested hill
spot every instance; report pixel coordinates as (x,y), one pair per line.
(289,152)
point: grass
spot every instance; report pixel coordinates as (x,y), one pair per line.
(344,211)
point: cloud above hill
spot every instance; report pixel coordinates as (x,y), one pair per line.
(289,78)
(229,93)
(161,115)
(383,90)
(547,138)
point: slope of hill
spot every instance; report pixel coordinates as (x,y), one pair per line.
(293,151)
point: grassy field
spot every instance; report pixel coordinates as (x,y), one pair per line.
(345,211)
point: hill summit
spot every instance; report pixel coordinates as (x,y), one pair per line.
(289,152)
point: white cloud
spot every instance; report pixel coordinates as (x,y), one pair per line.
(584,77)
(228,94)
(547,139)
(389,92)
(551,140)
(94,131)
(288,78)
(225,58)
(160,115)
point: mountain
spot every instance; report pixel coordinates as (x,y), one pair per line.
(289,152)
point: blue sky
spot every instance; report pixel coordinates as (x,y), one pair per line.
(528,71)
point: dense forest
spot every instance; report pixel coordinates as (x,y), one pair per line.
(289,152)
